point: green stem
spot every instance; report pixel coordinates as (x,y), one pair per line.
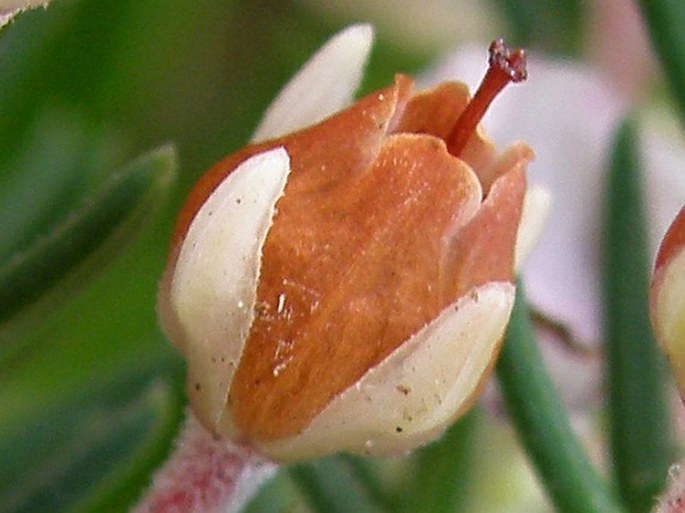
(640,428)
(536,410)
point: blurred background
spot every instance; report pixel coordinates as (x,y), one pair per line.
(91,394)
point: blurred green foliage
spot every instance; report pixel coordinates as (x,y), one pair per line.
(85,86)
(665,20)
(641,444)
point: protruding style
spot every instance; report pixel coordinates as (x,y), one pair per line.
(505,65)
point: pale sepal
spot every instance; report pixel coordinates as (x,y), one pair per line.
(322,87)
(8,5)
(209,296)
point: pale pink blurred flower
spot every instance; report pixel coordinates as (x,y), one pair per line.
(619,47)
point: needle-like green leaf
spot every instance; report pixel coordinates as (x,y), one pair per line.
(665,20)
(640,432)
(93,453)
(59,261)
(536,410)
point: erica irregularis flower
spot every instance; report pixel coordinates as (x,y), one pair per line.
(346,286)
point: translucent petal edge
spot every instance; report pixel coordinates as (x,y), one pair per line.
(536,207)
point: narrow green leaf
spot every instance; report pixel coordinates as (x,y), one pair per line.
(640,434)
(665,20)
(441,479)
(93,453)
(331,485)
(61,55)
(43,178)
(542,424)
(60,261)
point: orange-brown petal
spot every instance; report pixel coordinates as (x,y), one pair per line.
(483,250)
(435,111)
(320,155)
(350,272)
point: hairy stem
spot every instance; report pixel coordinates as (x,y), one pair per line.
(205,475)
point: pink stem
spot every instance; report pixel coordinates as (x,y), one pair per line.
(204,475)
(673,501)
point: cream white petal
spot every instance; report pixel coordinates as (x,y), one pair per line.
(415,393)
(536,207)
(206,302)
(324,85)
(670,311)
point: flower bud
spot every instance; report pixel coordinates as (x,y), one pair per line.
(347,286)
(667,297)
